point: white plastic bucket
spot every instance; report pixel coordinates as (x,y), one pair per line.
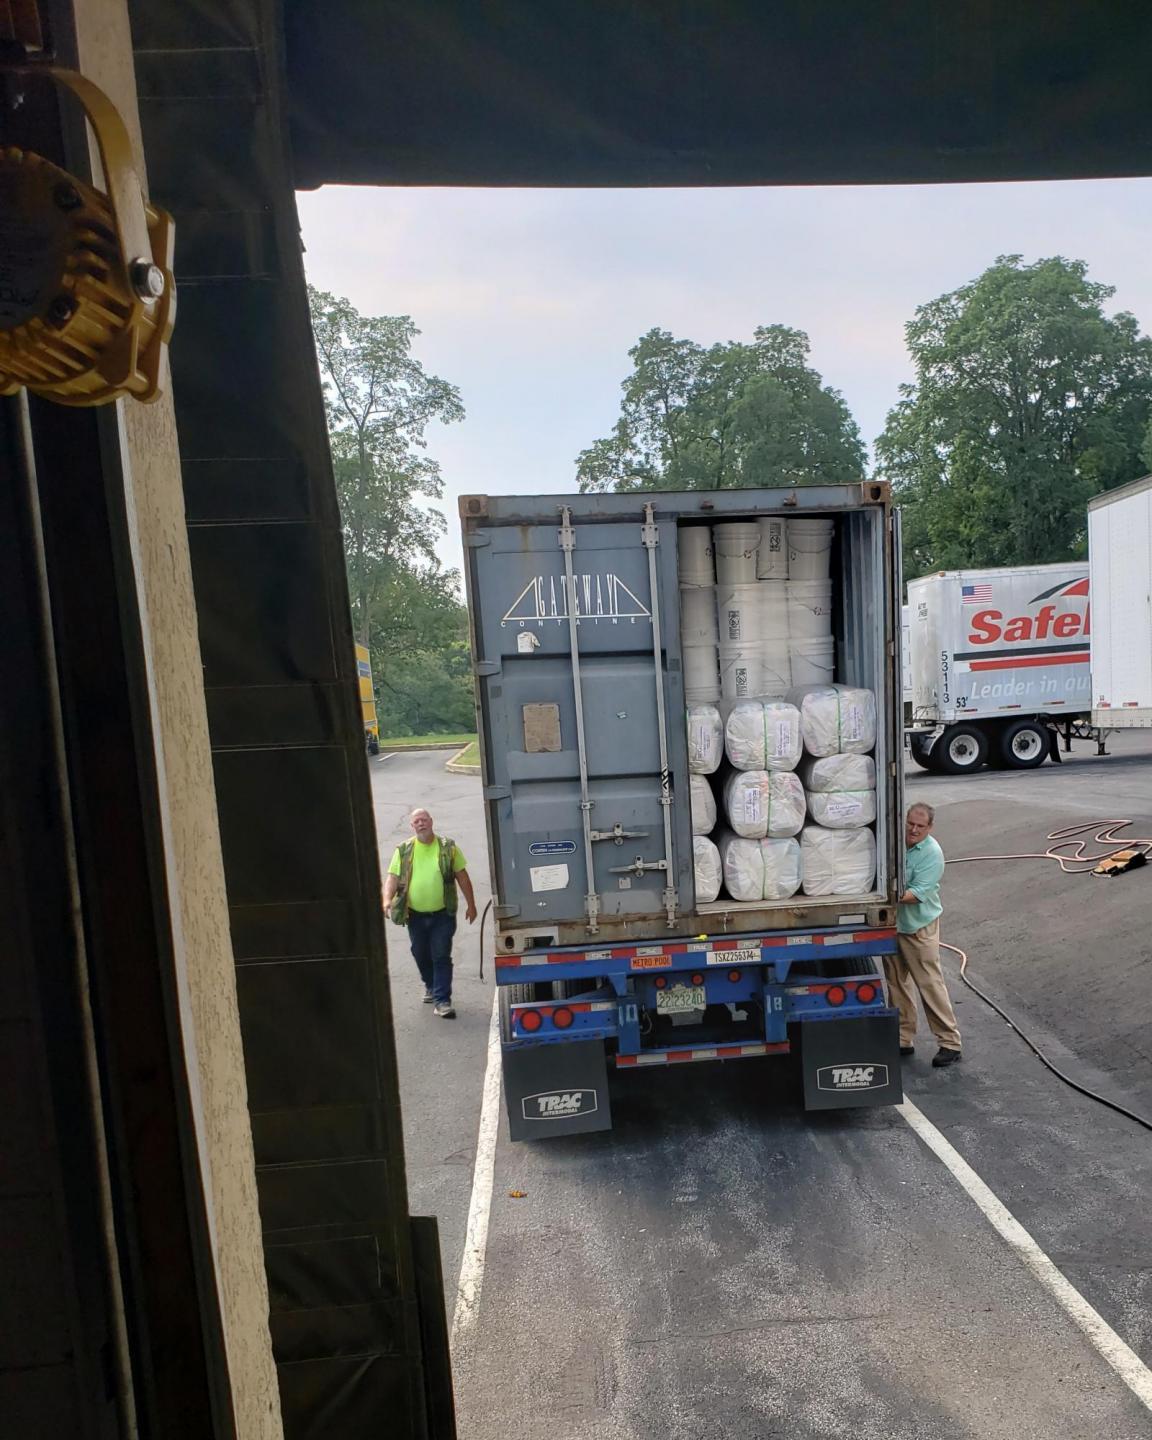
(772,559)
(698,615)
(741,671)
(809,609)
(737,544)
(813,661)
(701,674)
(694,551)
(775,671)
(739,613)
(809,548)
(773,610)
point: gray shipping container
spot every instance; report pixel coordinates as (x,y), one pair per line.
(581,707)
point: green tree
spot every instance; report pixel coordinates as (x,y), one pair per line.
(1028,400)
(724,416)
(380,403)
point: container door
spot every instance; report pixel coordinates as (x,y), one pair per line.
(896,707)
(574,768)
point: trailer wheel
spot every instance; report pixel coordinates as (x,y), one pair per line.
(1025,744)
(512,995)
(961,749)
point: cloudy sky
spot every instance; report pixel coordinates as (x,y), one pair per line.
(529,300)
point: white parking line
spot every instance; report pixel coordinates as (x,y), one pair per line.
(1126,1363)
(471,1279)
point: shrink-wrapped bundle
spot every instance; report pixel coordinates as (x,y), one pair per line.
(842,809)
(836,719)
(759,869)
(703,805)
(705,739)
(759,803)
(838,862)
(709,872)
(763,735)
(841,790)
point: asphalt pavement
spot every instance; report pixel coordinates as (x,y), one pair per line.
(723,1264)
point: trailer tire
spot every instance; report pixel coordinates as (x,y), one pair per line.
(961,749)
(513,995)
(1025,744)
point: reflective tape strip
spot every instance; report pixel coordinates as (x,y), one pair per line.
(719,1052)
(642,957)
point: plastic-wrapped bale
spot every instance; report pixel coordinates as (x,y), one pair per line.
(705,739)
(764,803)
(763,735)
(709,872)
(841,790)
(836,719)
(703,804)
(759,869)
(838,862)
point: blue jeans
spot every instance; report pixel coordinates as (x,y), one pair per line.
(430,935)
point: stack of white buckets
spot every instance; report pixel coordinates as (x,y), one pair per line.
(755,608)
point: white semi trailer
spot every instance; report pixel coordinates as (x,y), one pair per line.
(1000,663)
(1120,562)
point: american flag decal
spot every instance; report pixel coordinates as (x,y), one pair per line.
(976,594)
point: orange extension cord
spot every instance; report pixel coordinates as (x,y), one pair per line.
(1075,838)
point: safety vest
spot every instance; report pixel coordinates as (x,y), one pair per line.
(398,913)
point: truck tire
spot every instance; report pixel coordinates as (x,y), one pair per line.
(512,995)
(961,749)
(1025,744)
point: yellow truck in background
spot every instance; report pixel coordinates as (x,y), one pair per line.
(368,700)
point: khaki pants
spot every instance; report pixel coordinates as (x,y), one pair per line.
(918,965)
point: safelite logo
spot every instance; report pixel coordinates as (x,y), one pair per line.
(1067,629)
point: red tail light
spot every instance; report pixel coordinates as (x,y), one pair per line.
(866,994)
(697,979)
(562,1017)
(660,982)
(530,1020)
(836,995)
(734,976)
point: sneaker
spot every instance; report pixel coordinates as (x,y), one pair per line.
(428,997)
(444,1012)
(946,1057)
(907,1049)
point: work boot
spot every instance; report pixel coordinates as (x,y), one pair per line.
(946,1057)
(907,1049)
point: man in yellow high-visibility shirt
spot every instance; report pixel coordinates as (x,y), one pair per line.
(420,892)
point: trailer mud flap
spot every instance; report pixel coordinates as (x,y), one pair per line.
(556,1090)
(851,1062)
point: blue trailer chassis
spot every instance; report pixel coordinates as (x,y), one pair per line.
(628,986)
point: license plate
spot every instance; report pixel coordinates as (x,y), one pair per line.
(678,999)
(750,956)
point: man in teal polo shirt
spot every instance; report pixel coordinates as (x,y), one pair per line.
(420,892)
(917,964)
